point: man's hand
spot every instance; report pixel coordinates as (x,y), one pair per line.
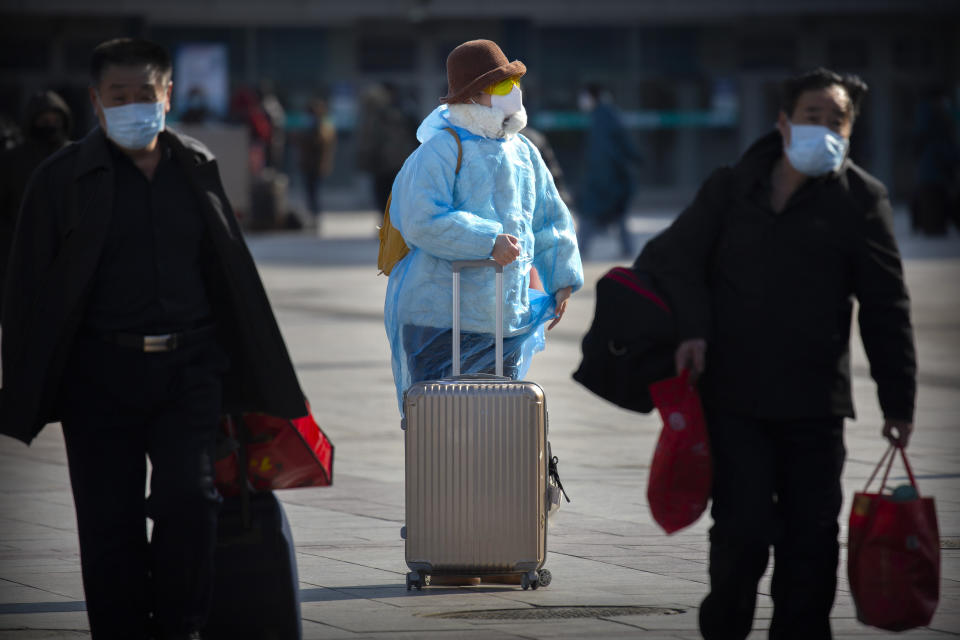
(506,249)
(692,355)
(561,296)
(897,432)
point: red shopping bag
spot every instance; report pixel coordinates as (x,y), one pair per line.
(278,454)
(893,559)
(679,486)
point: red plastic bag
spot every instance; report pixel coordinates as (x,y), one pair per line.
(679,486)
(893,559)
(280,454)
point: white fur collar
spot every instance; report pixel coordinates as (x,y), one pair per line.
(486,121)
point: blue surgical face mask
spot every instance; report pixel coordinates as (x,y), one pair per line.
(815,150)
(134,125)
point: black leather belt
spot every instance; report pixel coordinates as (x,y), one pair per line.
(157,343)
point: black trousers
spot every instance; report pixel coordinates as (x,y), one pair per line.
(120,407)
(312,185)
(774,483)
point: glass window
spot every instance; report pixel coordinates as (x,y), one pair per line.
(575,56)
(675,50)
(657,145)
(377,54)
(848,54)
(76,54)
(234,38)
(291,57)
(914,52)
(768,52)
(24,54)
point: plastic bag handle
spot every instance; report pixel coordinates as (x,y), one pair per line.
(886,473)
(877,468)
(903,454)
(458,266)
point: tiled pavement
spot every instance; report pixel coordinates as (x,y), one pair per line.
(605,551)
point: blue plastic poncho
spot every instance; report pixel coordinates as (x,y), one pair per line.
(503,187)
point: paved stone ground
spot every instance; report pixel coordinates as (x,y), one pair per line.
(605,550)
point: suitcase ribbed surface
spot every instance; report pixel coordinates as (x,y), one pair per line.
(475,476)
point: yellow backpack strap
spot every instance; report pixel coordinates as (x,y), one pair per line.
(393,248)
(459,147)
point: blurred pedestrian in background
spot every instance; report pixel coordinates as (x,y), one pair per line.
(47,122)
(135,316)
(935,203)
(268,184)
(317,144)
(385,137)
(10,135)
(245,109)
(542,143)
(606,185)
(273,108)
(761,271)
(198,109)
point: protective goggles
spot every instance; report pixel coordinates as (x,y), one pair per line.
(503,87)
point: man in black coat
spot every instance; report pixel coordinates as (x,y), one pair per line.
(761,271)
(134,315)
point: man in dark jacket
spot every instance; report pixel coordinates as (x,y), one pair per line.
(762,268)
(134,315)
(47,123)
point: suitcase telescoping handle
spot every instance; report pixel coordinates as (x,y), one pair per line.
(458,266)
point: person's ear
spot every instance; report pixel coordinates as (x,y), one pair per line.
(167,97)
(846,129)
(97,107)
(783,126)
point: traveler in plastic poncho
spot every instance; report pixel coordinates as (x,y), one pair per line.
(502,204)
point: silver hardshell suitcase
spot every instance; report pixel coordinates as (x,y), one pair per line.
(477,491)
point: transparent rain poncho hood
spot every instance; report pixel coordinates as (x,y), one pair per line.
(503,187)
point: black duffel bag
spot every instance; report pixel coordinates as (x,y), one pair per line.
(631,342)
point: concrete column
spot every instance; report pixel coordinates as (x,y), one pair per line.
(754,120)
(880,101)
(631,97)
(811,48)
(252,64)
(57,69)
(427,75)
(686,165)
(340,61)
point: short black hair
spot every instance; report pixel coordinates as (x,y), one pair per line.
(821,78)
(595,90)
(129,52)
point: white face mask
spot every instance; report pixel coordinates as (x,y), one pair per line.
(815,150)
(134,125)
(585,102)
(510,103)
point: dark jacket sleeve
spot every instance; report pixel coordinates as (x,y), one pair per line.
(679,257)
(885,312)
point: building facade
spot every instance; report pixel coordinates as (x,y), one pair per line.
(697,80)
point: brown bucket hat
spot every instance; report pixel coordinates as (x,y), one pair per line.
(477,64)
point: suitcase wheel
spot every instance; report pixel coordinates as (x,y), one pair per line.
(545,577)
(415,579)
(530,579)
